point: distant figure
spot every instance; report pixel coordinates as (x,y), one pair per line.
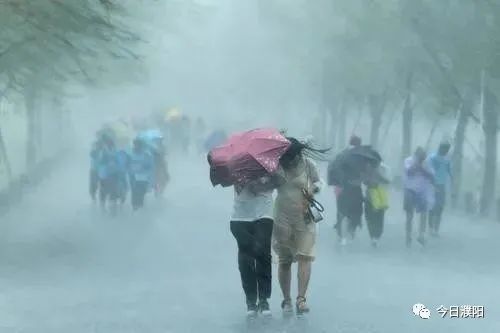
(141,167)
(108,173)
(349,197)
(441,166)
(161,175)
(376,202)
(418,192)
(123,160)
(185,140)
(94,167)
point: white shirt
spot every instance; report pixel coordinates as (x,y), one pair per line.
(250,207)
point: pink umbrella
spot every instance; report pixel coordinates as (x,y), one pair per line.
(246,156)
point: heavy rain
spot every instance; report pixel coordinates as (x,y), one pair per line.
(237,166)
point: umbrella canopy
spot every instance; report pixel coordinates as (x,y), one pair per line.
(122,133)
(173,114)
(350,163)
(151,138)
(246,156)
(215,139)
(151,134)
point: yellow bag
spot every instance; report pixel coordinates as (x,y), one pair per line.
(379,197)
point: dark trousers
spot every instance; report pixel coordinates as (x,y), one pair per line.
(374,220)
(93,183)
(436,212)
(138,189)
(108,189)
(350,206)
(254,257)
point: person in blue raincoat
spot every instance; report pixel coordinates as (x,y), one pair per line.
(108,173)
(161,176)
(141,168)
(123,161)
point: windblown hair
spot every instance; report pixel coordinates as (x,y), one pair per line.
(306,149)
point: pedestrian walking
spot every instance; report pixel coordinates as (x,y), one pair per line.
(249,161)
(108,174)
(441,166)
(376,202)
(345,174)
(418,193)
(252,227)
(294,230)
(94,168)
(141,168)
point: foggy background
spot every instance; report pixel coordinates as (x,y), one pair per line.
(322,68)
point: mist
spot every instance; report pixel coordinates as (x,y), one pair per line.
(397,74)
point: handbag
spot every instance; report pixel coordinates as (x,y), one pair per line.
(378,197)
(314,208)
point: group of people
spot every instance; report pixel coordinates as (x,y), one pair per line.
(116,170)
(259,223)
(425,179)
(357,167)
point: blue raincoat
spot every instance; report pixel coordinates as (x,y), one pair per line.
(122,169)
(107,163)
(141,167)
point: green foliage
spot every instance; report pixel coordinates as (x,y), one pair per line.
(54,43)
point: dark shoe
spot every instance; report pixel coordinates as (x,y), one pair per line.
(251,310)
(263,308)
(421,240)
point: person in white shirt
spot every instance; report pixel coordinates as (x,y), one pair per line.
(252,227)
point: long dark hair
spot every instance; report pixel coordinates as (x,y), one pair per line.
(302,148)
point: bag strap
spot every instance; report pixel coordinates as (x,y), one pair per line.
(311,200)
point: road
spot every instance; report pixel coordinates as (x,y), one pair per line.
(172,268)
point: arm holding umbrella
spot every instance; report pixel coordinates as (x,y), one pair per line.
(267,183)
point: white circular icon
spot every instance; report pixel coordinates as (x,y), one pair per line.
(425,313)
(417,308)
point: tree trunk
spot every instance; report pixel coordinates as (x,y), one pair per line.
(407,121)
(458,148)
(387,130)
(4,158)
(324,126)
(490,128)
(431,134)
(332,134)
(31,144)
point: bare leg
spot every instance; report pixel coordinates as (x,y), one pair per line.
(409,222)
(285,279)
(304,276)
(421,231)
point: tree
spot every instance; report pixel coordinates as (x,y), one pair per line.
(47,47)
